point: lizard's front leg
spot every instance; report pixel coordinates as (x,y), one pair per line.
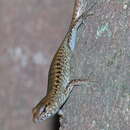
(68,89)
(75,82)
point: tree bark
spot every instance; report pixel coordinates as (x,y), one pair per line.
(102,54)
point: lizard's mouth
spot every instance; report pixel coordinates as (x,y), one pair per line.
(44,117)
(39,119)
(36,120)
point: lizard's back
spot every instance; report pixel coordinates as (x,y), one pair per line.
(59,73)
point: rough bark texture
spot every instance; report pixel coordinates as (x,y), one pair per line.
(103,54)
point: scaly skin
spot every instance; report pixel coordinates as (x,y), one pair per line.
(59,83)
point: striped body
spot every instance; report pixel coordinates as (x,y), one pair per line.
(59,73)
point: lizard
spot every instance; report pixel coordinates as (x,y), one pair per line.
(59,83)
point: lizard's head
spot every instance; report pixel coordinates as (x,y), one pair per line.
(44,110)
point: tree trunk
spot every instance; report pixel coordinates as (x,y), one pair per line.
(102,54)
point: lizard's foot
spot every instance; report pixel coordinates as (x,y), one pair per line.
(61,114)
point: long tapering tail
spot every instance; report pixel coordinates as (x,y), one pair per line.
(79,8)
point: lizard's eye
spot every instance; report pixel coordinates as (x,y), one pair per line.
(43,109)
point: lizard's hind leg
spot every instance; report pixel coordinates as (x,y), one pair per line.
(85,14)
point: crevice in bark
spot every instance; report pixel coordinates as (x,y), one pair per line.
(56,123)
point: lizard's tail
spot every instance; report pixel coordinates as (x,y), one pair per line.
(78,9)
